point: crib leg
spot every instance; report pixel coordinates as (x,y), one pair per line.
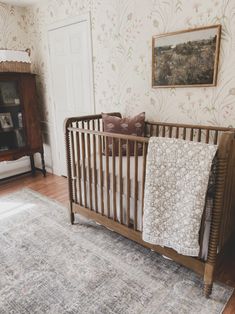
(207,290)
(71,214)
(208,279)
(72,218)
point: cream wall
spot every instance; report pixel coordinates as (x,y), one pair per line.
(122,31)
(13,34)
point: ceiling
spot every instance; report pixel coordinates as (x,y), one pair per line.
(20,2)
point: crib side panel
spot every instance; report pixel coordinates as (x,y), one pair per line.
(227,229)
(106,173)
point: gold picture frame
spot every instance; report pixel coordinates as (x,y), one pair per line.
(187,58)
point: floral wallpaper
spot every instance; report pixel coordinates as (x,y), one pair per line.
(12,35)
(122,33)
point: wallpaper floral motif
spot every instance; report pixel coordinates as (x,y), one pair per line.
(11,35)
(122,33)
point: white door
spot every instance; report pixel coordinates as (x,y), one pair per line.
(71,72)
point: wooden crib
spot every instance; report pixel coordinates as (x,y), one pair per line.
(110,189)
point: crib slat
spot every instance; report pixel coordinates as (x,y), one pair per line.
(143,178)
(79,167)
(136,185)
(177,132)
(107,174)
(74,173)
(157,130)
(199,135)
(191,134)
(101,175)
(163,131)
(84,168)
(128,182)
(89,169)
(146,129)
(120,180)
(216,137)
(95,172)
(207,136)
(170,131)
(114,180)
(184,133)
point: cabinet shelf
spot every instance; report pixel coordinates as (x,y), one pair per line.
(20,133)
(11,130)
(9,105)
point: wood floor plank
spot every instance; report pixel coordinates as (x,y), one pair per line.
(56,187)
(230,308)
(51,186)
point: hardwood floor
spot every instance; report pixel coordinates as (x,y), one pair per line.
(51,186)
(56,188)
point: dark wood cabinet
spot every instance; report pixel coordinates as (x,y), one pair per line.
(20,133)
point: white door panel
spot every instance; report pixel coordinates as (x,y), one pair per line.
(71,78)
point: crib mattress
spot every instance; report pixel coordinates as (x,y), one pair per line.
(117,175)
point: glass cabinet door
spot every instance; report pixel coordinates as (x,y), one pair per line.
(12,129)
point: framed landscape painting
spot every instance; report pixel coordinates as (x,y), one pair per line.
(186,58)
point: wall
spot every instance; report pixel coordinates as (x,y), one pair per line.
(13,36)
(38,18)
(12,26)
(122,31)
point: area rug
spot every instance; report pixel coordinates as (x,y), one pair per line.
(49,266)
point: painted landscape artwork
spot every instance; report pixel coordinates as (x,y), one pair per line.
(186,58)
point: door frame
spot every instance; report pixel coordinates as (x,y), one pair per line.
(86,17)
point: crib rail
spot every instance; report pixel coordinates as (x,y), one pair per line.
(198,133)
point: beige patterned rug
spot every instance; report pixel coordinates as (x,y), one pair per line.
(48,266)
